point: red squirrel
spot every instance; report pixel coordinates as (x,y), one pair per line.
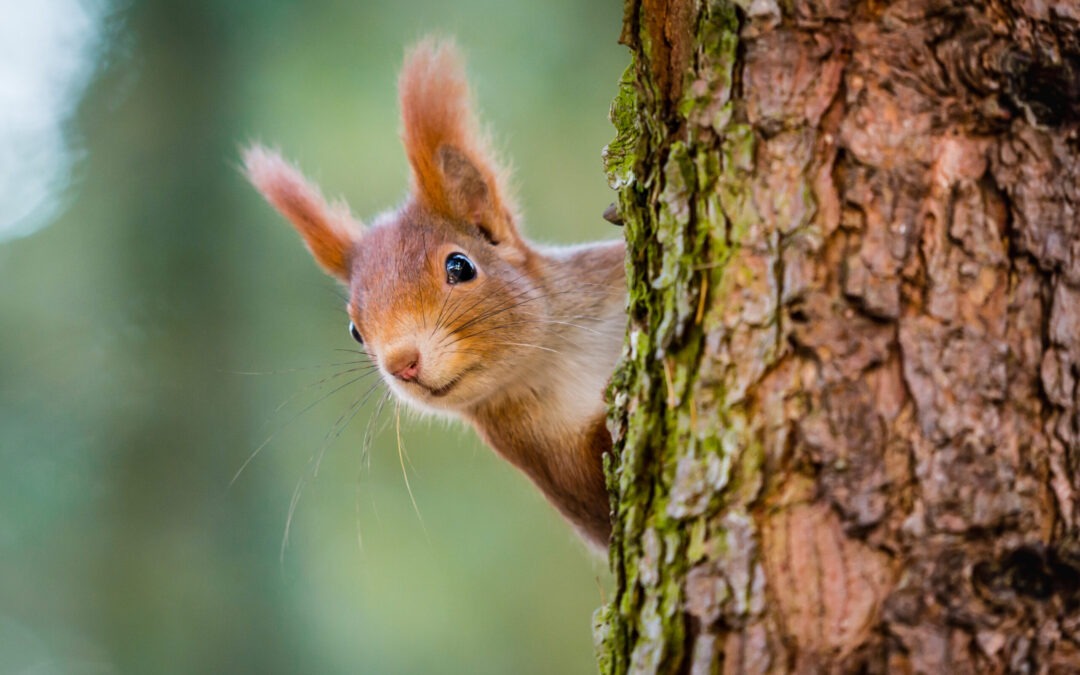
(460,312)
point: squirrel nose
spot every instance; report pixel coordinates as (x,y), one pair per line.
(404,363)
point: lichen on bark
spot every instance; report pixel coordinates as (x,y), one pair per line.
(847,417)
(675,208)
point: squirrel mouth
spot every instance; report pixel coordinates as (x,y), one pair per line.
(438,392)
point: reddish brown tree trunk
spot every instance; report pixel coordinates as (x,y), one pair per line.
(848,417)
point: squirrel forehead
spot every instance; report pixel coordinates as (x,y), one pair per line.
(405,240)
(397,261)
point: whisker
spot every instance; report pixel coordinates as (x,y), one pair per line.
(288,370)
(498,309)
(495,312)
(501,306)
(318,383)
(341,423)
(365,459)
(556,322)
(404,473)
(523,344)
(480,331)
(460,350)
(369,435)
(314,462)
(364,372)
(508,324)
(292,511)
(292,419)
(438,319)
(486,296)
(362,352)
(489,329)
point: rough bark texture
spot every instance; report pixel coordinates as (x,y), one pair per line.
(847,422)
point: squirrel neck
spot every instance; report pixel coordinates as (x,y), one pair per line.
(550,422)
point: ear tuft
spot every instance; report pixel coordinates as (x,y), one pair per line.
(454,172)
(329,230)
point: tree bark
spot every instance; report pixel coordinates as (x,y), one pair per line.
(847,419)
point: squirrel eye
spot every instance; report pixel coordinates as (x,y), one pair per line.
(355,333)
(459,268)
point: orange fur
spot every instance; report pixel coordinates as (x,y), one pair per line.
(522,349)
(329,230)
(436,114)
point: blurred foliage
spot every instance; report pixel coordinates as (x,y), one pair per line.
(127,324)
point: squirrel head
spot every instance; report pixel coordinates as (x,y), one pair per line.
(443,293)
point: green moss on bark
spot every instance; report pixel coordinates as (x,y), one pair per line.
(839,373)
(680,203)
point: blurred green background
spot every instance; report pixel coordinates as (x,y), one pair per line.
(127,322)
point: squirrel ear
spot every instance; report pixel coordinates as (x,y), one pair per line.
(329,230)
(453,171)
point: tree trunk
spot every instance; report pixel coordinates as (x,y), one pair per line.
(847,421)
